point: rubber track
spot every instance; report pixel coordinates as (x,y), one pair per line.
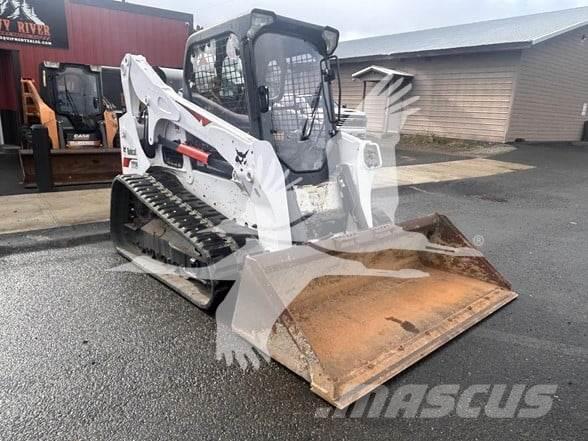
(189,216)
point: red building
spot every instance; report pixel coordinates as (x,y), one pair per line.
(96,32)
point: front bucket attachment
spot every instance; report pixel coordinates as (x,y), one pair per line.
(349,313)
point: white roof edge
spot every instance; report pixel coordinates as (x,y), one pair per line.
(559,32)
(380,69)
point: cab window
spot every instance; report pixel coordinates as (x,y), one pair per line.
(217,73)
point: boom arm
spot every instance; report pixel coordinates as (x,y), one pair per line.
(256,169)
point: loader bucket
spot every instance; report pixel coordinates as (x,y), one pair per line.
(348,321)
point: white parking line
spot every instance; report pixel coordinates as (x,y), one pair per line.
(444,171)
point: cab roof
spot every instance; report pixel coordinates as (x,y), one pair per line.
(241,25)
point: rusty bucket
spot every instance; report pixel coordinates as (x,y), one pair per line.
(350,313)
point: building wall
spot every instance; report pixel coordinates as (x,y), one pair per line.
(101,35)
(551,90)
(461,96)
(9,99)
(8,95)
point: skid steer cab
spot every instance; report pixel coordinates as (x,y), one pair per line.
(271,77)
(245,187)
(70,104)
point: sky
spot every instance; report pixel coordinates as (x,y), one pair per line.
(364,18)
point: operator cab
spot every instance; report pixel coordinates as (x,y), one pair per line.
(271,76)
(74,92)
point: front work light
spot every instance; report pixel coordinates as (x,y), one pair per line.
(331,38)
(51,64)
(259,19)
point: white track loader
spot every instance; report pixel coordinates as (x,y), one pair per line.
(247,188)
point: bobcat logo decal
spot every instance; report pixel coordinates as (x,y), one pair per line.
(241,158)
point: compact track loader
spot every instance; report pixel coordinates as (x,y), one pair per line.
(245,193)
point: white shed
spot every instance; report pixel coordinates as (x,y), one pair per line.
(377,97)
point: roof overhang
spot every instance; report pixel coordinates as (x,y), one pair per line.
(559,32)
(442,52)
(244,27)
(379,72)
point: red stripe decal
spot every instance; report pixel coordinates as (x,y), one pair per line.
(202,120)
(194,153)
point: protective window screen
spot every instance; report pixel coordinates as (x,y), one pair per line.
(77,92)
(217,72)
(290,69)
(112,88)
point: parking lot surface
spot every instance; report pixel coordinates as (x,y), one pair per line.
(91,353)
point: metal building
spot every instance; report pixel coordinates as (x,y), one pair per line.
(522,78)
(97,32)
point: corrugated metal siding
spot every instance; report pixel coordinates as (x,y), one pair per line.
(103,36)
(551,90)
(461,96)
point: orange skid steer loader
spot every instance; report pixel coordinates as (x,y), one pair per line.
(83,130)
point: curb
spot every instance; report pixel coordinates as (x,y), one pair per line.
(62,237)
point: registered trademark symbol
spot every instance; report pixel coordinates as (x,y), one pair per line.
(479,240)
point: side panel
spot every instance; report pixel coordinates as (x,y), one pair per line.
(461,96)
(551,90)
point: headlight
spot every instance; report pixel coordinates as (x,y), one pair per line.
(372,156)
(259,19)
(51,64)
(331,37)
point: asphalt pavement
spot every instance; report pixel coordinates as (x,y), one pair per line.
(90,353)
(10,175)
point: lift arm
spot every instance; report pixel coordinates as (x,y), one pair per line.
(256,168)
